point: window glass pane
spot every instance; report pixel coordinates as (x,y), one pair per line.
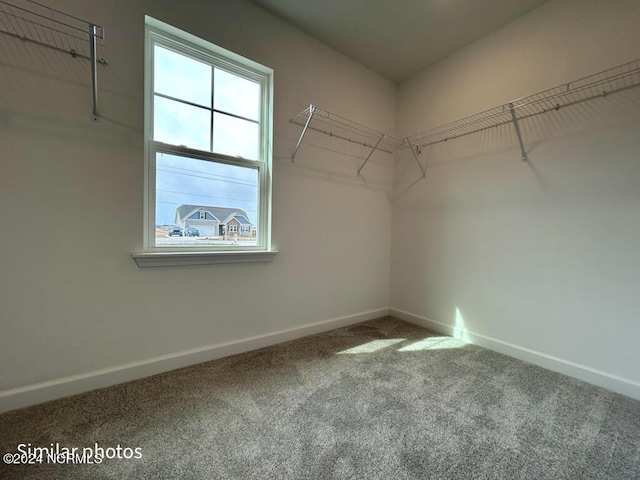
(236,95)
(177,123)
(181,77)
(202,203)
(235,137)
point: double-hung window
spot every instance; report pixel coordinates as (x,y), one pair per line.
(208,130)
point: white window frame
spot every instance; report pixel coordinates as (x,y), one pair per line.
(160,33)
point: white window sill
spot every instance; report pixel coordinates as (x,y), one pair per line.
(181,259)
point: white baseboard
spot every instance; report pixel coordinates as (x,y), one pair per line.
(599,378)
(62,387)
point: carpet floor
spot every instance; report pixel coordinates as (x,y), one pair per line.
(383,399)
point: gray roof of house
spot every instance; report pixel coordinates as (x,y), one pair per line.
(221,213)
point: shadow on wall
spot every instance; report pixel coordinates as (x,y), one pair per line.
(333,160)
(44,85)
(606,113)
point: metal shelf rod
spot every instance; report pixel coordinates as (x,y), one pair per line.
(605,82)
(334,126)
(414,152)
(94,70)
(304,130)
(616,79)
(34,22)
(370,153)
(335,135)
(517,127)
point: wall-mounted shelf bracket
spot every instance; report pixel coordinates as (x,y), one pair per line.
(93,47)
(312,110)
(34,22)
(414,152)
(597,85)
(514,118)
(375,147)
(320,128)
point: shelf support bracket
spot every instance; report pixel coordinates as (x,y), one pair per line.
(415,157)
(375,147)
(517,127)
(93,33)
(312,110)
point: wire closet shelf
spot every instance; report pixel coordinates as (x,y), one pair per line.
(606,82)
(600,84)
(34,22)
(314,119)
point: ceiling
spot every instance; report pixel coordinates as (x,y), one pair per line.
(397,38)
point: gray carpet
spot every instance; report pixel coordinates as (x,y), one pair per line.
(357,402)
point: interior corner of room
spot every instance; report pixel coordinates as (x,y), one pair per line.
(434,218)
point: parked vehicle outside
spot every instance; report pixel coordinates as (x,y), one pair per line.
(175,230)
(191,232)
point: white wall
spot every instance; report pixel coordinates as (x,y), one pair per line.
(538,260)
(73,302)
(539,256)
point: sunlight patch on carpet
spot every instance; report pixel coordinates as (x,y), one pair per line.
(372,346)
(433,343)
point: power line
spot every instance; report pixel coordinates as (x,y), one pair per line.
(180,203)
(200,172)
(196,171)
(203,195)
(208,178)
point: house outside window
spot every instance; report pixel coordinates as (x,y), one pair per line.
(208,129)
